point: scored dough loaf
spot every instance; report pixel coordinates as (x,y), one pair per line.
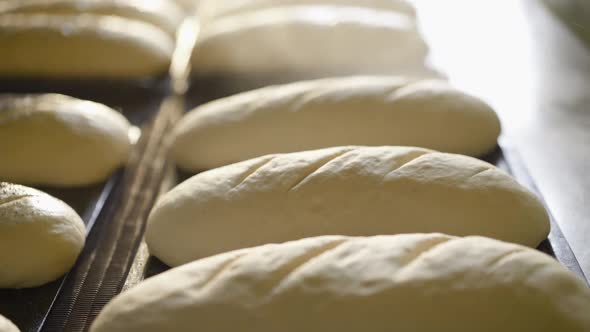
(309,40)
(40,237)
(164,14)
(217,8)
(81,46)
(360,110)
(51,139)
(355,191)
(7,326)
(411,282)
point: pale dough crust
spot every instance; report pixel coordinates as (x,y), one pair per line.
(216,8)
(416,282)
(359,110)
(82,46)
(40,237)
(56,140)
(355,191)
(7,326)
(310,40)
(165,14)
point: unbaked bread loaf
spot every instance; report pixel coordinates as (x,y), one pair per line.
(7,326)
(309,39)
(216,8)
(412,282)
(81,46)
(56,140)
(355,191)
(40,237)
(165,14)
(316,114)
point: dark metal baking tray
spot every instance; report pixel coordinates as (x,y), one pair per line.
(139,102)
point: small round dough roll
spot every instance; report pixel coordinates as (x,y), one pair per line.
(411,282)
(309,40)
(40,237)
(82,47)
(56,140)
(210,9)
(361,110)
(165,14)
(7,326)
(354,191)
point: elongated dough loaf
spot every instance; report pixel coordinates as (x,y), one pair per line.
(316,114)
(356,191)
(412,282)
(309,39)
(217,8)
(57,140)
(82,46)
(7,326)
(164,14)
(40,237)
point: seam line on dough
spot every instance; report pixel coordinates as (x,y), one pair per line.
(315,169)
(300,261)
(252,171)
(12,199)
(226,265)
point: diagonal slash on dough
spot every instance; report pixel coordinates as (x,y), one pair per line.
(298,262)
(253,170)
(321,163)
(226,265)
(7,200)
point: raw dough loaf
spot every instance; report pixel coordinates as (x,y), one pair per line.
(164,14)
(40,237)
(356,191)
(7,326)
(309,115)
(415,282)
(217,8)
(310,39)
(82,46)
(57,140)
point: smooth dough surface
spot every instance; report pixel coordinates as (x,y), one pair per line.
(412,282)
(310,40)
(40,237)
(165,14)
(308,115)
(81,46)
(56,140)
(217,8)
(7,326)
(355,191)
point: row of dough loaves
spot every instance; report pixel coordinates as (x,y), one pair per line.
(135,38)
(87,38)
